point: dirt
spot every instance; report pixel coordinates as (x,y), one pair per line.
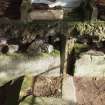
(46,86)
(90,91)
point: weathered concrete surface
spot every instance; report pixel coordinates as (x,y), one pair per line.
(45,101)
(91,63)
(13,66)
(68,89)
(46,15)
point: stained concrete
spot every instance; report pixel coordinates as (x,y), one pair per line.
(68,89)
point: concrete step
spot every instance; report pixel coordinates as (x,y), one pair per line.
(68,89)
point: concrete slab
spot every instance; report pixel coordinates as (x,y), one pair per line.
(46,15)
(14,66)
(90,64)
(68,89)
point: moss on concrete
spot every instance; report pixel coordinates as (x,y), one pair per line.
(84,28)
(80,48)
(15,65)
(26,85)
(45,101)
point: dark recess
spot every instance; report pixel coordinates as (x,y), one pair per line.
(10,8)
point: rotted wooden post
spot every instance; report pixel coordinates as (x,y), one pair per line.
(25,8)
(67,47)
(68,89)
